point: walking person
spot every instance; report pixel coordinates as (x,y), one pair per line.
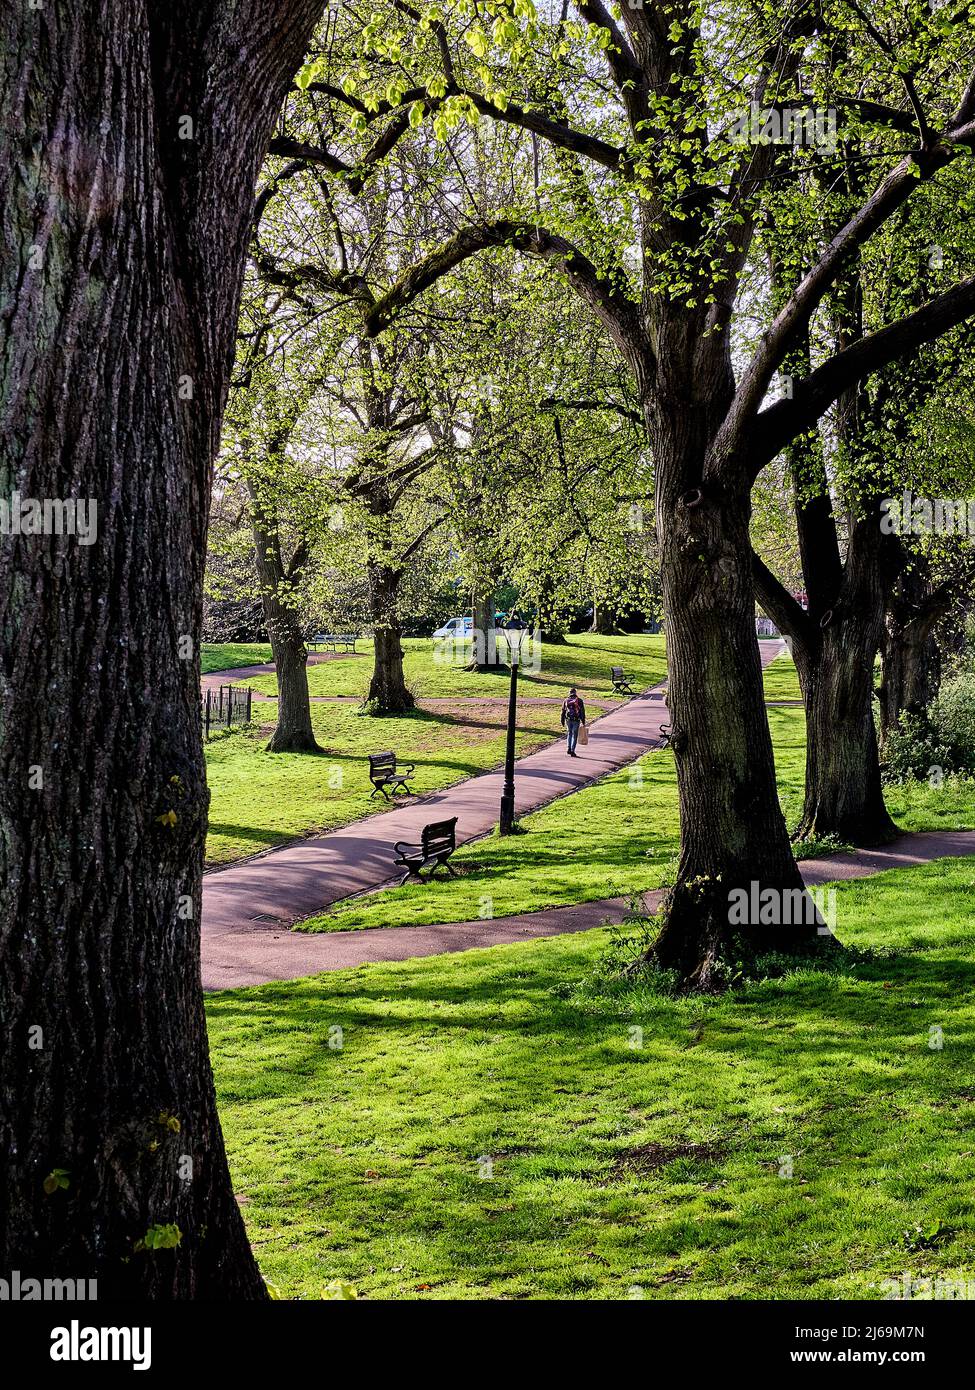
(573,717)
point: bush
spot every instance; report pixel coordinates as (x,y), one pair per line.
(943,738)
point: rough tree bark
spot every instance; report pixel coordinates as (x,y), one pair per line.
(132,144)
(733,832)
(844,794)
(388,691)
(293,732)
(834,645)
(910,654)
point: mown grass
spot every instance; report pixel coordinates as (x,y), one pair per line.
(259,799)
(616,837)
(497,1125)
(781,679)
(224,656)
(582,660)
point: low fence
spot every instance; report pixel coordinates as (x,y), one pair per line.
(226,706)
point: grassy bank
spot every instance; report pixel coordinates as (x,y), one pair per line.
(260,799)
(492,1128)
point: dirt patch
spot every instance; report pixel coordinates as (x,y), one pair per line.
(649,1158)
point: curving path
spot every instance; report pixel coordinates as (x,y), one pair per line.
(277,955)
(248,907)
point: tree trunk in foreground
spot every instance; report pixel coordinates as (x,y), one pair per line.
(387,689)
(733,833)
(294,732)
(126,182)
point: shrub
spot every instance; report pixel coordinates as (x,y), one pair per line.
(942,738)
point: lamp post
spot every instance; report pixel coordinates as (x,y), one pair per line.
(513,636)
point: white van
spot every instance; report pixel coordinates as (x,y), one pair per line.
(456,627)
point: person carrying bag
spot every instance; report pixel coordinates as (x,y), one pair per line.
(574,722)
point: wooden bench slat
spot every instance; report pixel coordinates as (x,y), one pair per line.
(388,776)
(437,843)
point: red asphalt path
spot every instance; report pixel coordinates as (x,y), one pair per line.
(248,908)
(280,955)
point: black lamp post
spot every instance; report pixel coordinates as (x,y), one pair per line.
(506,825)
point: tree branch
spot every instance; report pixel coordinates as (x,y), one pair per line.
(780,423)
(614,310)
(785,611)
(794,316)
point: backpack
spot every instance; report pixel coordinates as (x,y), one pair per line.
(573,707)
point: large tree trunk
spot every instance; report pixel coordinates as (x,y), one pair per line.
(123,250)
(388,691)
(843,795)
(834,645)
(910,654)
(835,659)
(484,656)
(911,664)
(294,732)
(733,833)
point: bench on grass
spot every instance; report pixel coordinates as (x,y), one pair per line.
(387,776)
(621,686)
(437,843)
(334,640)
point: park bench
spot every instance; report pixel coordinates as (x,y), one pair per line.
(387,776)
(437,843)
(334,640)
(621,686)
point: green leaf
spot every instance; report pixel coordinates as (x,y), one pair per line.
(477,41)
(306,75)
(161,1237)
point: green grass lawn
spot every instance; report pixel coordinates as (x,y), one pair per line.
(782,679)
(617,837)
(259,799)
(224,656)
(583,660)
(494,1127)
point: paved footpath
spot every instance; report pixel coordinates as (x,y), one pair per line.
(248,908)
(277,955)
